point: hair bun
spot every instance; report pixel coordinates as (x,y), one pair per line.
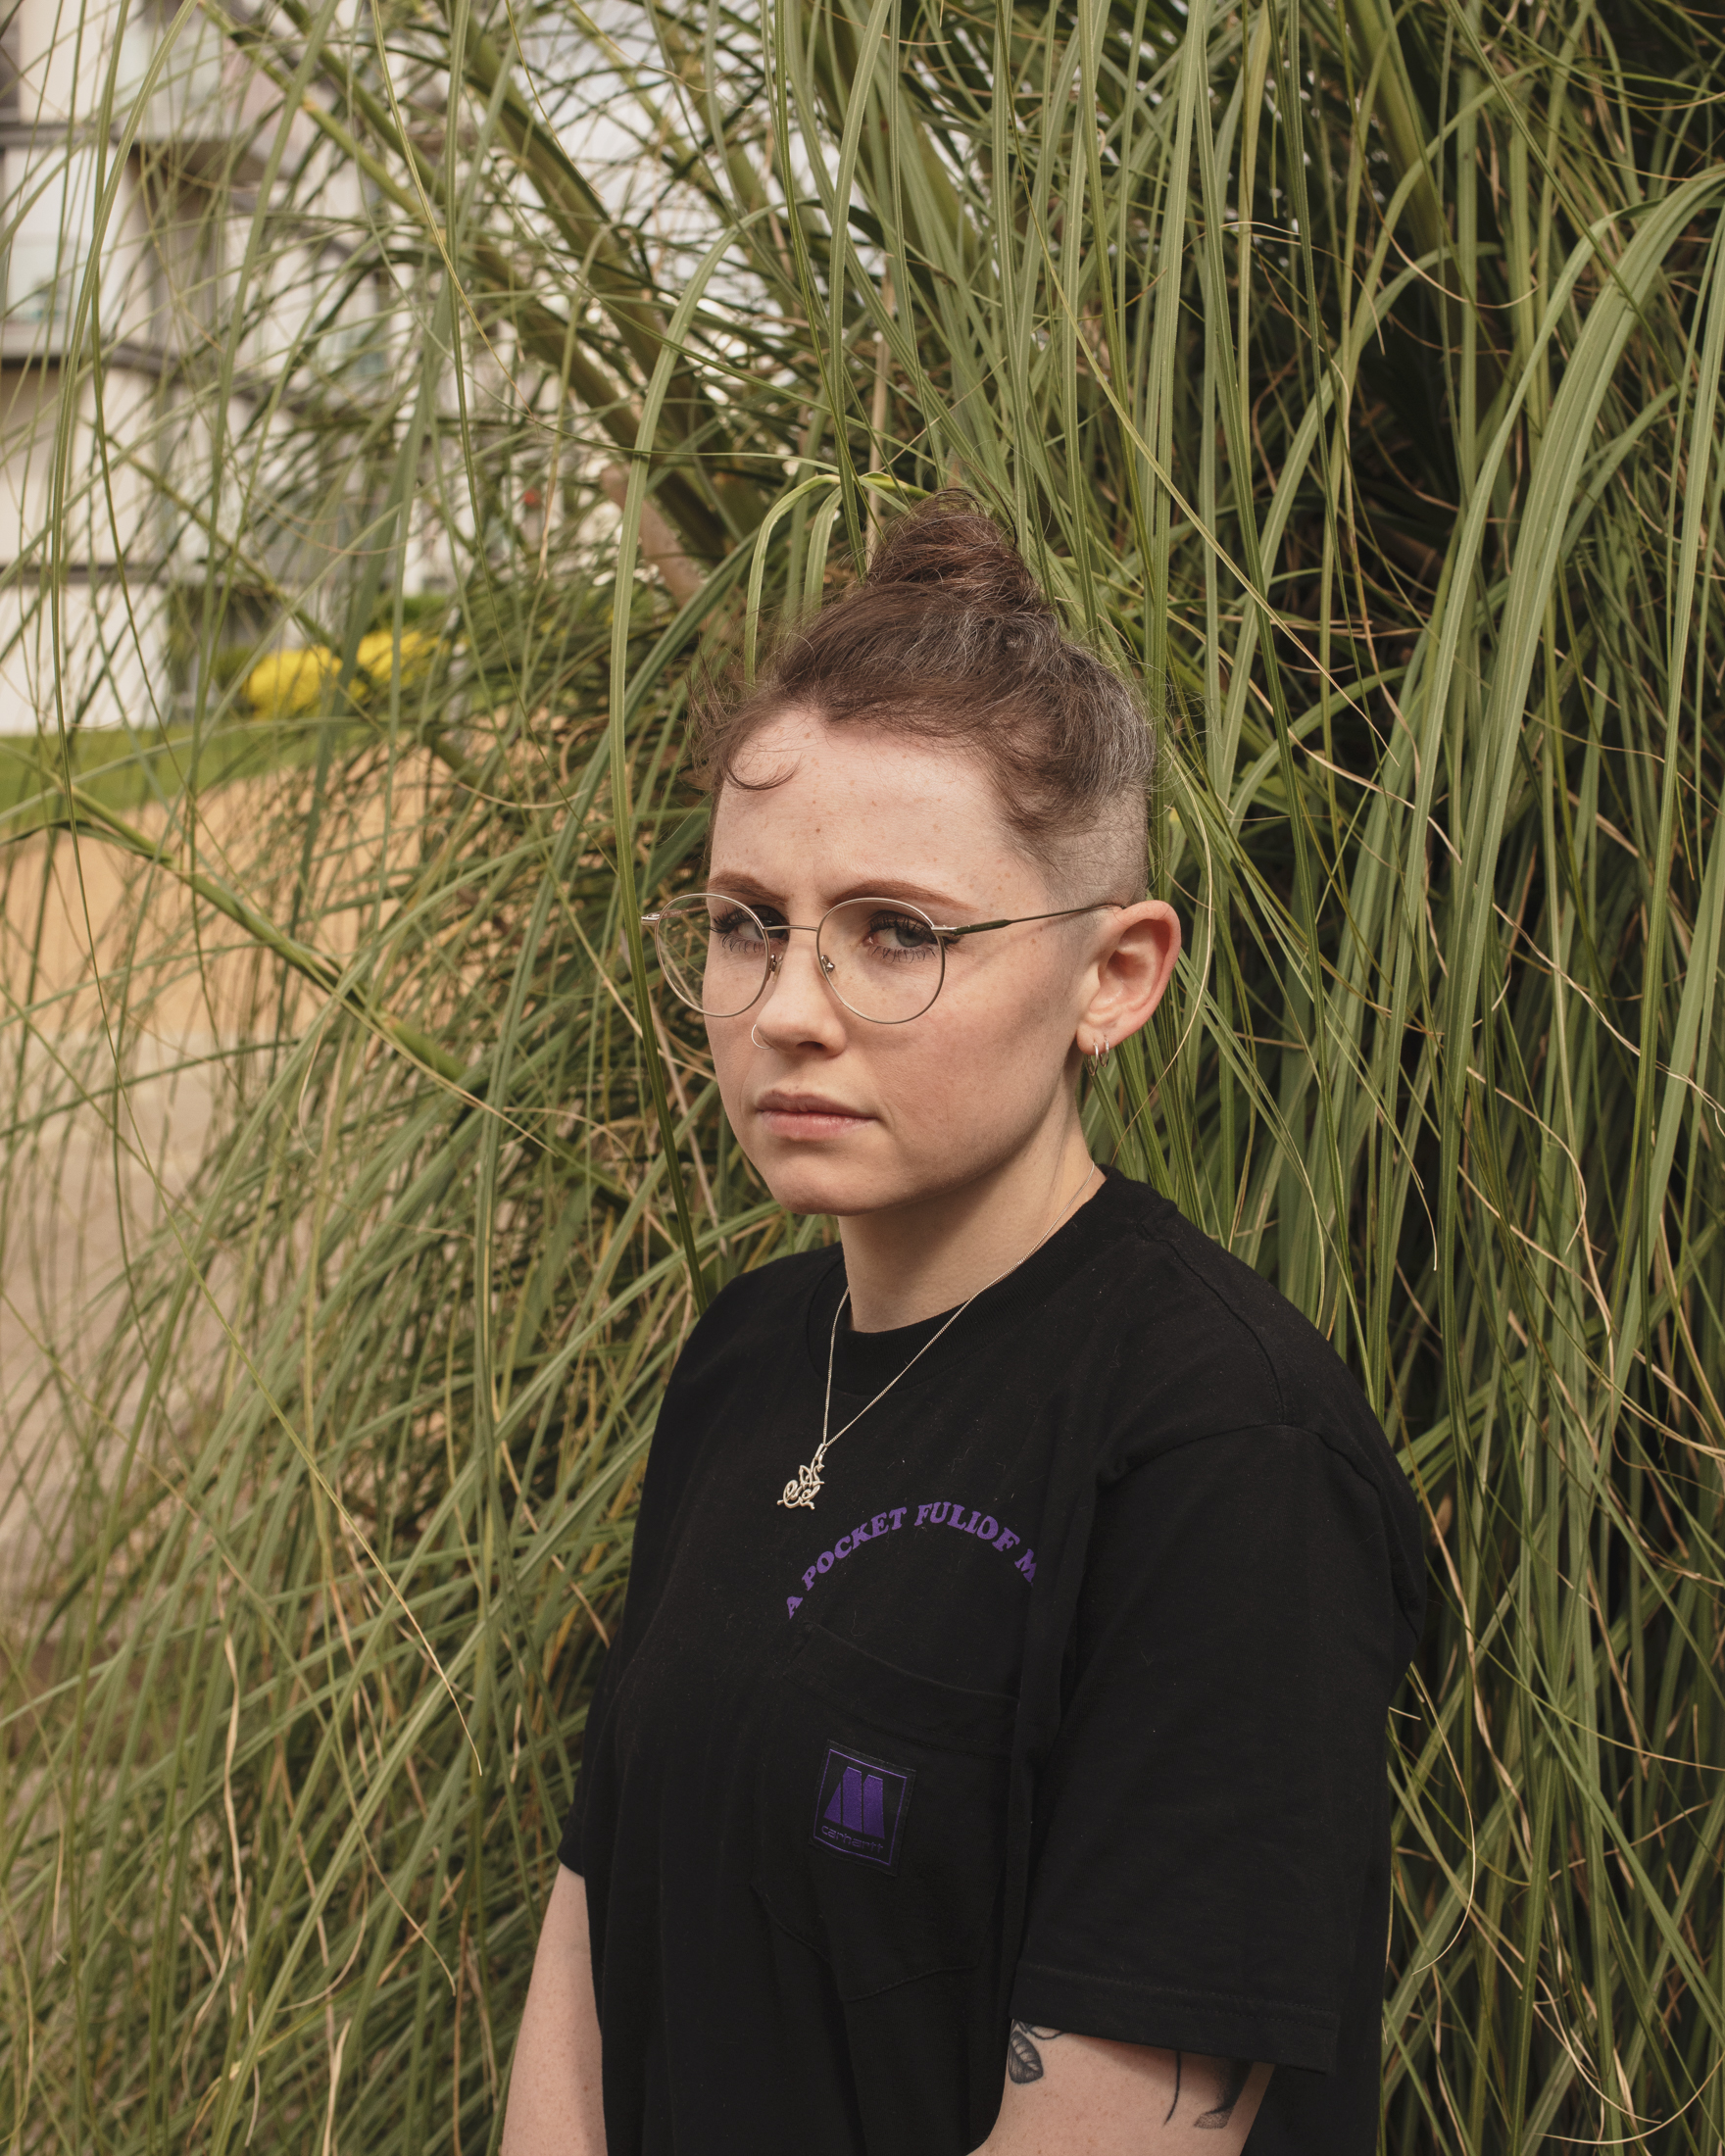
(949,543)
(949,641)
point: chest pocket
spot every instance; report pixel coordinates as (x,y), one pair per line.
(882,1814)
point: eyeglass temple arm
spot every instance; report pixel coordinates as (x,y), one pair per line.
(1017,920)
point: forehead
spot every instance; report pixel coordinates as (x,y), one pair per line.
(859,794)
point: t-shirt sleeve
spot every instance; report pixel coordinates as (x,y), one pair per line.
(1215,1796)
(568,1848)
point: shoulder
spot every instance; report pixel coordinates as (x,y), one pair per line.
(1206,1342)
(1223,1364)
(750,1312)
(746,1325)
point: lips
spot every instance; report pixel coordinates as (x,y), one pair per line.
(808,1114)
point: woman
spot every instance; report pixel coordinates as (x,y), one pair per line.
(991,1755)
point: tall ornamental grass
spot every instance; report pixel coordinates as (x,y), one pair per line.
(1352,377)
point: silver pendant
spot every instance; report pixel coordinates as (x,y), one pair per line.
(804,1491)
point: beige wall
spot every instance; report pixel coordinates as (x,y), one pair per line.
(79,991)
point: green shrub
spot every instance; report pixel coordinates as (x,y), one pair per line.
(1353,379)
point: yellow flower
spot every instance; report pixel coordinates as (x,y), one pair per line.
(289,684)
(377,653)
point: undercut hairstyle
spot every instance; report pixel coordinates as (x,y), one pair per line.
(950,638)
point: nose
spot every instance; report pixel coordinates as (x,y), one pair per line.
(798,1010)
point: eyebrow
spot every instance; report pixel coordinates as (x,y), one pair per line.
(746,886)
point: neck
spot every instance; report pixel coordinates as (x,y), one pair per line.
(907,1262)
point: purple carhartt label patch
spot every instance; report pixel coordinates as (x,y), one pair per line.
(861,1806)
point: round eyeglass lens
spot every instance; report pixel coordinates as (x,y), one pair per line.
(712,952)
(882,959)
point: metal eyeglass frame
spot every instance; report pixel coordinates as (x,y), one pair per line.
(776,959)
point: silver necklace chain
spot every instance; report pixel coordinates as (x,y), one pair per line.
(806,1487)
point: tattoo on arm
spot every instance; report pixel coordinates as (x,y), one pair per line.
(1024,2064)
(1235,2075)
(1024,2059)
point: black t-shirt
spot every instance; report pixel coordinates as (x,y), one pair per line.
(1067,1702)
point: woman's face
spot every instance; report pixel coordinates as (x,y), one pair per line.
(844,1116)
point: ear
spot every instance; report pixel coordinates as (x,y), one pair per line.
(1130,974)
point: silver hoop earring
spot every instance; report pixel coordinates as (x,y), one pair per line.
(754,1034)
(1099,1056)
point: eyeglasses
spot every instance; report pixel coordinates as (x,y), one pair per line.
(883,959)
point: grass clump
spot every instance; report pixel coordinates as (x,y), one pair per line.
(1351,378)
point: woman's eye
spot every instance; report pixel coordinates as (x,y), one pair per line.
(735,931)
(900,935)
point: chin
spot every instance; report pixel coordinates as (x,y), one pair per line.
(822,1186)
(804,1182)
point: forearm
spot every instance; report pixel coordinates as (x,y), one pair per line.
(554,2106)
(1069,2095)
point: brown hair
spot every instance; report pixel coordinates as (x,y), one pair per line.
(950,638)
